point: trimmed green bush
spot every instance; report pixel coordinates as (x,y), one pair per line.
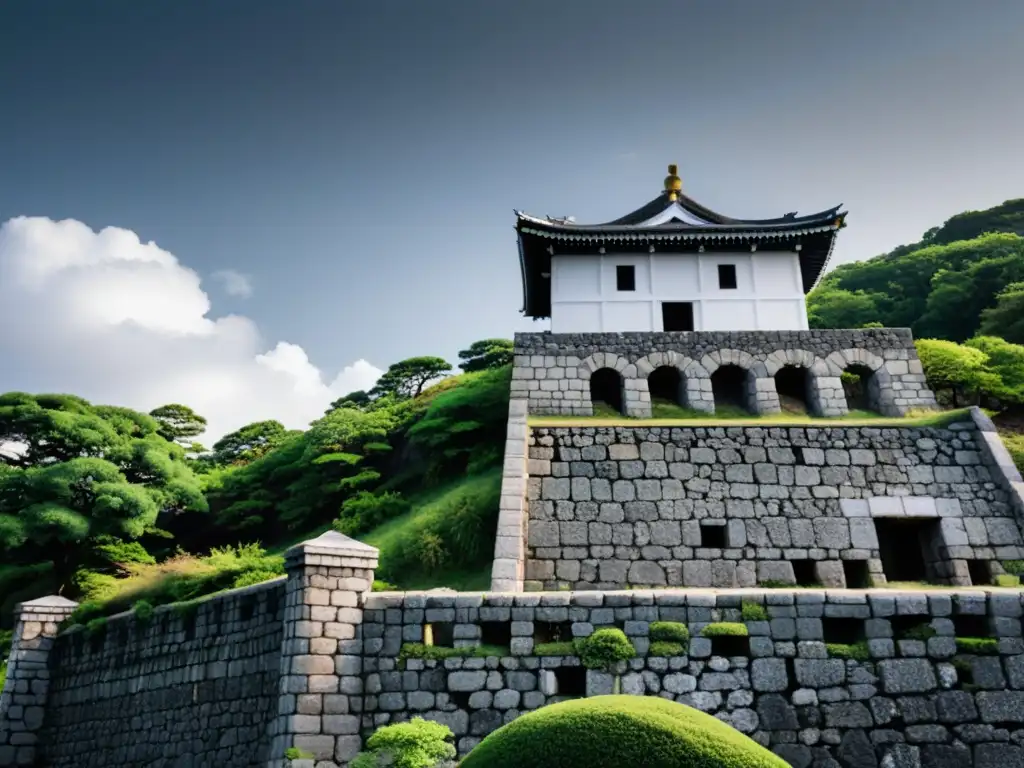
(563,648)
(752,611)
(855,651)
(981,646)
(669,631)
(1015,567)
(440,652)
(1007,580)
(666,648)
(143,610)
(725,629)
(618,731)
(417,743)
(604,648)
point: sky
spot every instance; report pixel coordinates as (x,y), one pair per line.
(253,207)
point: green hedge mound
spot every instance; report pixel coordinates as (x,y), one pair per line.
(617,731)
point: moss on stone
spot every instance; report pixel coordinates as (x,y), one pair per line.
(725,629)
(666,648)
(854,651)
(981,646)
(669,631)
(616,731)
(604,648)
(563,648)
(752,611)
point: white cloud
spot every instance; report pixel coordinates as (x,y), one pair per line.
(235,283)
(118,321)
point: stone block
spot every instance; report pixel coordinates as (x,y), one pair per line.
(907,676)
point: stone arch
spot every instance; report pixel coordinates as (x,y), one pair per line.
(758,389)
(875,378)
(636,400)
(695,381)
(822,387)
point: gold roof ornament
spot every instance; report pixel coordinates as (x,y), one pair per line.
(673,184)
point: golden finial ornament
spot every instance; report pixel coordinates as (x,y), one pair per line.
(673,184)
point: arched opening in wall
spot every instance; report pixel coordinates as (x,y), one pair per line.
(606,392)
(793,383)
(729,386)
(860,387)
(666,388)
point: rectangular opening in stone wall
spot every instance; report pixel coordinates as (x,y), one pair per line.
(857,574)
(901,545)
(842,630)
(571,681)
(908,627)
(971,625)
(552,632)
(730,645)
(273,602)
(979,572)
(803,573)
(712,536)
(439,633)
(246,607)
(188,623)
(460,699)
(496,633)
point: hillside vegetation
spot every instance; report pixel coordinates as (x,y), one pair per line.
(115,508)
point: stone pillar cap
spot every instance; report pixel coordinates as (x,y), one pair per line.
(336,544)
(47,604)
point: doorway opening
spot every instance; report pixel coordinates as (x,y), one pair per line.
(902,545)
(666,386)
(860,388)
(793,383)
(857,574)
(729,387)
(677,315)
(803,573)
(606,391)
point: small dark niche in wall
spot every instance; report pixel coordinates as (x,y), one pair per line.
(571,681)
(443,633)
(856,573)
(188,622)
(496,633)
(901,625)
(798,452)
(246,607)
(971,625)
(730,645)
(842,630)
(712,536)
(552,631)
(803,572)
(979,572)
(273,602)
(215,612)
(459,698)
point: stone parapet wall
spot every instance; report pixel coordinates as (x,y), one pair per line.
(195,686)
(908,702)
(553,371)
(507,569)
(617,506)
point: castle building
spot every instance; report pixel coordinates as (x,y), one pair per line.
(674,265)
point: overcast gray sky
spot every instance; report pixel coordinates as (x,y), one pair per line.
(343,174)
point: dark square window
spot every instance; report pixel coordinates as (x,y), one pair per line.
(726,275)
(712,536)
(625,277)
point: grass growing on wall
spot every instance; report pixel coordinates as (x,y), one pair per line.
(667,414)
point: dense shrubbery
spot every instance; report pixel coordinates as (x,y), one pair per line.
(417,743)
(604,649)
(616,731)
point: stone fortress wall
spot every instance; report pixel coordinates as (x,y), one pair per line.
(331,663)
(741,506)
(555,372)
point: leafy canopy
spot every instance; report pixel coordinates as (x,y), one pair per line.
(408,378)
(488,353)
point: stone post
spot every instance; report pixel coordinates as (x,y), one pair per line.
(23,701)
(321,655)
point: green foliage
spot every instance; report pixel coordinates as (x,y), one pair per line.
(407,378)
(853,651)
(294,753)
(725,629)
(617,731)
(441,652)
(96,626)
(560,648)
(489,353)
(666,648)
(670,631)
(86,475)
(1006,317)
(384,586)
(950,367)
(417,743)
(981,646)
(178,423)
(923,631)
(1015,445)
(1016,567)
(938,288)
(365,511)
(1007,580)
(143,610)
(1005,362)
(5,651)
(604,648)
(751,611)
